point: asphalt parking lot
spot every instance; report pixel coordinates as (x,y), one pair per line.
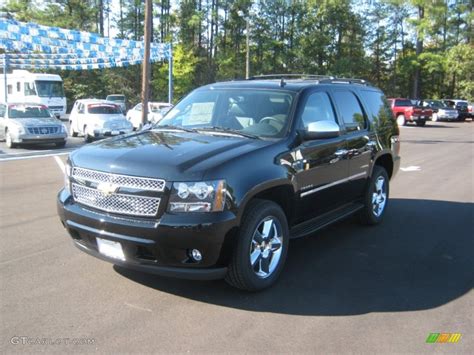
(347,289)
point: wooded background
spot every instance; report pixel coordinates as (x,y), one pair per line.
(408,48)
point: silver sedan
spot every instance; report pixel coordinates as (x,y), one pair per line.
(25,123)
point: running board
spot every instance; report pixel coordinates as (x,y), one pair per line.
(317,223)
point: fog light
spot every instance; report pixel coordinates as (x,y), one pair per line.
(196,255)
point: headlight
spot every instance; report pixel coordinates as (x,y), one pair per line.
(63,129)
(18,128)
(67,175)
(203,196)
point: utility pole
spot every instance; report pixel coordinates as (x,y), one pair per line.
(146,62)
(247,54)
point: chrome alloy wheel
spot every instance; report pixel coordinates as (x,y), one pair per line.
(266,247)
(379,196)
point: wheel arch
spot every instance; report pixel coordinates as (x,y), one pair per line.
(385,160)
(280,192)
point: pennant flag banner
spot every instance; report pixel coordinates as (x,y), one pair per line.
(33,46)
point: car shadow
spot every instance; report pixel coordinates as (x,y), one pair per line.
(420,257)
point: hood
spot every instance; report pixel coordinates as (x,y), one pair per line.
(166,154)
(37,121)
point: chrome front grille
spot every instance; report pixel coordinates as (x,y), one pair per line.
(43,130)
(128,181)
(111,192)
(116,202)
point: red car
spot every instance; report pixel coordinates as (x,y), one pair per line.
(406,111)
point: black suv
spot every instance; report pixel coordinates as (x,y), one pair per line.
(234,171)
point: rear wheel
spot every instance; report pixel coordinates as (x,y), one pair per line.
(376,197)
(261,249)
(401,121)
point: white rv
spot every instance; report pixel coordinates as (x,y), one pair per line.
(38,88)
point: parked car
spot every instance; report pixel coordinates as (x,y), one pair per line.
(441,111)
(406,111)
(96,119)
(156,111)
(119,100)
(461,106)
(220,185)
(26,123)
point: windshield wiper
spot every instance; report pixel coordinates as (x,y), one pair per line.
(228,130)
(169,126)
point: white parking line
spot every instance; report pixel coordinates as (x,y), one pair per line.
(33,156)
(60,163)
(411,168)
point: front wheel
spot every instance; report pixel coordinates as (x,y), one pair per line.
(262,246)
(401,121)
(376,197)
(9,140)
(72,132)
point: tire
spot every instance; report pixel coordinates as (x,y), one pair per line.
(8,140)
(434,118)
(72,132)
(420,123)
(60,144)
(376,193)
(401,120)
(260,217)
(87,138)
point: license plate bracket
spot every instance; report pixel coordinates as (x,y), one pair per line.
(111,249)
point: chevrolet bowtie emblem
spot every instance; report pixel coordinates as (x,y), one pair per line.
(107,188)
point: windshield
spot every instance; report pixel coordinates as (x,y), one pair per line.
(47,88)
(403,103)
(116,98)
(25,111)
(103,109)
(262,113)
(438,104)
(158,107)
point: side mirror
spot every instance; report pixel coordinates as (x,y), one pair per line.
(321,130)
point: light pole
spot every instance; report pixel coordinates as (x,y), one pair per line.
(247,43)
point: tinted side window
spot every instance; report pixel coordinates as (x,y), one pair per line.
(350,110)
(379,108)
(2,110)
(317,108)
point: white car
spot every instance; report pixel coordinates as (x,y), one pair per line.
(156,110)
(95,119)
(118,100)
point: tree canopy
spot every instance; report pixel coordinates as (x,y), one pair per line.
(408,48)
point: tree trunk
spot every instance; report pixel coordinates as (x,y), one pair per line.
(419,49)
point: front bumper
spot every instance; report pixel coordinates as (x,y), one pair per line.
(159,246)
(27,138)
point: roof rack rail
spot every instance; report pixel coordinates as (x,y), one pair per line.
(345,81)
(291,76)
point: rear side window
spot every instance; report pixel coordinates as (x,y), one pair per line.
(379,108)
(400,103)
(103,109)
(317,108)
(350,110)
